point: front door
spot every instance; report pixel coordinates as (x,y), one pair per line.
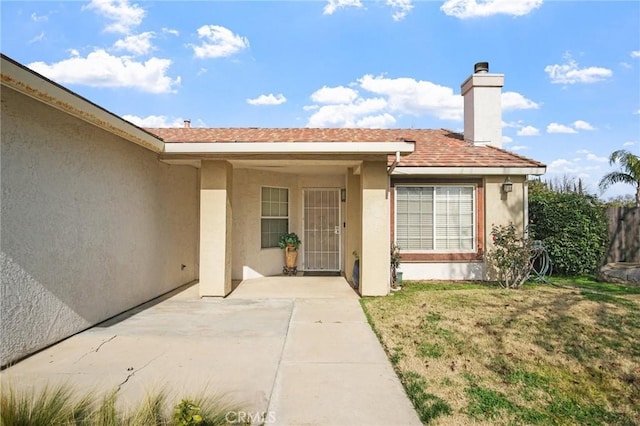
(321,243)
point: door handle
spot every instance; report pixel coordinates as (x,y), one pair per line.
(336,230)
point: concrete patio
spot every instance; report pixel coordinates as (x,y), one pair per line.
(297,348)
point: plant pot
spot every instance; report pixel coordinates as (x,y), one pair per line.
(290,256)
(398,277)
(356,273)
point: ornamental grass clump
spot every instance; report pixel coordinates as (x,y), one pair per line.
(511,256)
(62,405)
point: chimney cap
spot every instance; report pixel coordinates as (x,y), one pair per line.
(187,123)
(481,67)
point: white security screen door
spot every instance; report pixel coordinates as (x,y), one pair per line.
(321,241)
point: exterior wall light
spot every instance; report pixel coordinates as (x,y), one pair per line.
(507,186)
(343,195)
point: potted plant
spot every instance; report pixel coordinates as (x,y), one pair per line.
(290,242)
(356,270)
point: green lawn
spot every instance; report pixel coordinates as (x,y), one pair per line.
(565,352)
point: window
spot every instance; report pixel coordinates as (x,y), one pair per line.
(435,218)
(274,215)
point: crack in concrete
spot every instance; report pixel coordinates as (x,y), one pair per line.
(130,375)
(105,341)
(98,348)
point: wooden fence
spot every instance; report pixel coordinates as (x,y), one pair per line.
(624,234)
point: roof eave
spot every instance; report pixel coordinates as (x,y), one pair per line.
(32,84)
(364,148)
(471,171)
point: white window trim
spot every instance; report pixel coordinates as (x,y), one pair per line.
(288,217)
(474,212)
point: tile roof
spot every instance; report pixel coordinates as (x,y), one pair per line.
(434,148)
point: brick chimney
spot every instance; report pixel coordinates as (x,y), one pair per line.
(187,124)
(483,106)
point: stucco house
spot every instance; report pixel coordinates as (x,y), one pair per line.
(99,215)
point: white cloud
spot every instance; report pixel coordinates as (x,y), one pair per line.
(125,16)
(400,8)
(593,157)
(334,95)
(570,73)
(218,42)
(583,125)
(513,124)
(635,54)
(636,112)
(154,121)
(39,18)
(626,65)
(514,100)
(590,156)
(333,5)
(587,168)
(569,129)
(630,143)
(562,165)
(139,44)
(480,8)
(519,148)
(346,115)
(100,69)
(201,71)
(37,38)
(559,128)
(380,121)
(415,97)
(506,139)
(399,96)
(269,99)
(171,31)
(73,52)
(528,131)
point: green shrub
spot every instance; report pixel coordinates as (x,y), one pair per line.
(511,255)
(572,228)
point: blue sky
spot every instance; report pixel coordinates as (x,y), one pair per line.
(572,69)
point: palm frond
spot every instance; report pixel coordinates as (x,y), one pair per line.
(616,177)
(629,163)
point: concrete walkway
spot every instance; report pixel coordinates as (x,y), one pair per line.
(296,348)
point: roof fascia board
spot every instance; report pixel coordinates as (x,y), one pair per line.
(475,171)
(289,148)
(32,84)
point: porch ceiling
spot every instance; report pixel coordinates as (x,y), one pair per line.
(299,167)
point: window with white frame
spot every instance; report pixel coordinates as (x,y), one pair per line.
(435,218)
(274,215)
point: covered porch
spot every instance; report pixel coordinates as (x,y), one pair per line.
(282,287)
(335,196)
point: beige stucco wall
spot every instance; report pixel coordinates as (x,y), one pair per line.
(249,259)
(353,233)
(216,208)
(503,208)
(375,234)
(92,225)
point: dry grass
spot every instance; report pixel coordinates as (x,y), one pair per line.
(474,354)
